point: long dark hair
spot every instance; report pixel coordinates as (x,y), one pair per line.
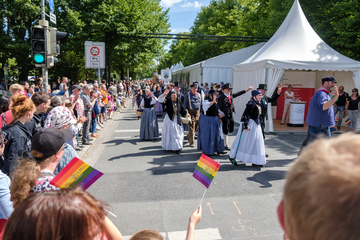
(357,91)
(4,104)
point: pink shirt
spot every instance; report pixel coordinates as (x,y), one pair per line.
(79,106)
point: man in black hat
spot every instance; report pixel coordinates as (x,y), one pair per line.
(321,112)
(264,104)
(226,105)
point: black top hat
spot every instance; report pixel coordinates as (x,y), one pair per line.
(262,86)
(176,84)
(227,86)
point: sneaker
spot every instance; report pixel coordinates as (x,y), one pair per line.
(94,135)
(338,128)
(98,127)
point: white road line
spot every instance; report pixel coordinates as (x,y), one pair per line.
(130,130)
(286,143)
(200,234)
(122,137)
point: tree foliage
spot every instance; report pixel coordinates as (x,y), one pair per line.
(335,21)
(86,20)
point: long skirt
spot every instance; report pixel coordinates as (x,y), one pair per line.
(149,128)
(172,135)
(251,148)
(210,136)
(158,108)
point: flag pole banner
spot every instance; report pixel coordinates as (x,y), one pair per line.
(75,173)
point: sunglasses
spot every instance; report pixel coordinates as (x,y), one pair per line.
(354,91)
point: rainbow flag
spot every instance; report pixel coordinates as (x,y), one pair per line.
(205,170)
(336,120)
(76,172)
(348,121)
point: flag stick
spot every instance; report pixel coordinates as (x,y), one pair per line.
(111,213)
(203,197)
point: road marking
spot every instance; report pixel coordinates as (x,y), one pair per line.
(200,234)
(122,137)
(237,207)
(208,204)
(285,143)
(130,130)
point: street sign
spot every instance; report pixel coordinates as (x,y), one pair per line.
(52,18)
(51,5)
(94,54)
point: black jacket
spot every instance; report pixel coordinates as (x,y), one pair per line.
(18,145)
(170,110)
(264,103)
(252,111)
(36,123)
(224,104)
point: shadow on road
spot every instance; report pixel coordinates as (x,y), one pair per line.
(265,177)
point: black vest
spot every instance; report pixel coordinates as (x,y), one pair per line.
(213,110)
(147,102)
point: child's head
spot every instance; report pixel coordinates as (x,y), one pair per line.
(147,235)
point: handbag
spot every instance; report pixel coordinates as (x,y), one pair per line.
(186,119)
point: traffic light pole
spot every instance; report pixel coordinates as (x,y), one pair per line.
(45,24)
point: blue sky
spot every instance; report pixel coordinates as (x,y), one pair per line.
(183,13)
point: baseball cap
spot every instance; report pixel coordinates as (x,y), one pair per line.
(77,87)
(328,79)
(48,141)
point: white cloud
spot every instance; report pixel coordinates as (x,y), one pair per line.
(169,3)
(195,4)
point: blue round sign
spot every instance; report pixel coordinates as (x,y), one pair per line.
(51,5)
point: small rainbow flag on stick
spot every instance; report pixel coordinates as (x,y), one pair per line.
(75,173)
(205,170)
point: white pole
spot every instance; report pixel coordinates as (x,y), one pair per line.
(203,197)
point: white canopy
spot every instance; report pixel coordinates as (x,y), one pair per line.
(296,46)
(177,67)
(219,69)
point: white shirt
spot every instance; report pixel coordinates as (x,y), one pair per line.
(291,95)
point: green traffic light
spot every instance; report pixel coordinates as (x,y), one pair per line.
(39,58)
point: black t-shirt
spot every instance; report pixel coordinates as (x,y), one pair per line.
(353,104)
(342,100)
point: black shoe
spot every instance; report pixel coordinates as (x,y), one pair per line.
(178,152)
(218,153)
(227,148)
(255,165)
(80,146)
(338,128)
(191,145)
(232,161)
(78,149)
(266,155)
(86,143)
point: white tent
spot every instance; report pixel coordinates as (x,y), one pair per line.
(218,69)
(295,46)
(177,66)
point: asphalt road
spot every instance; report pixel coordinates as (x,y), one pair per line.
(149,188)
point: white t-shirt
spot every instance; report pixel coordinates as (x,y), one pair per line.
(288,100)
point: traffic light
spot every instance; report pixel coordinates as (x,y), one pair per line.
(38,45)
(53,45)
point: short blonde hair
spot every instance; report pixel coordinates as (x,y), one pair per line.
(15,87)
(322,191)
